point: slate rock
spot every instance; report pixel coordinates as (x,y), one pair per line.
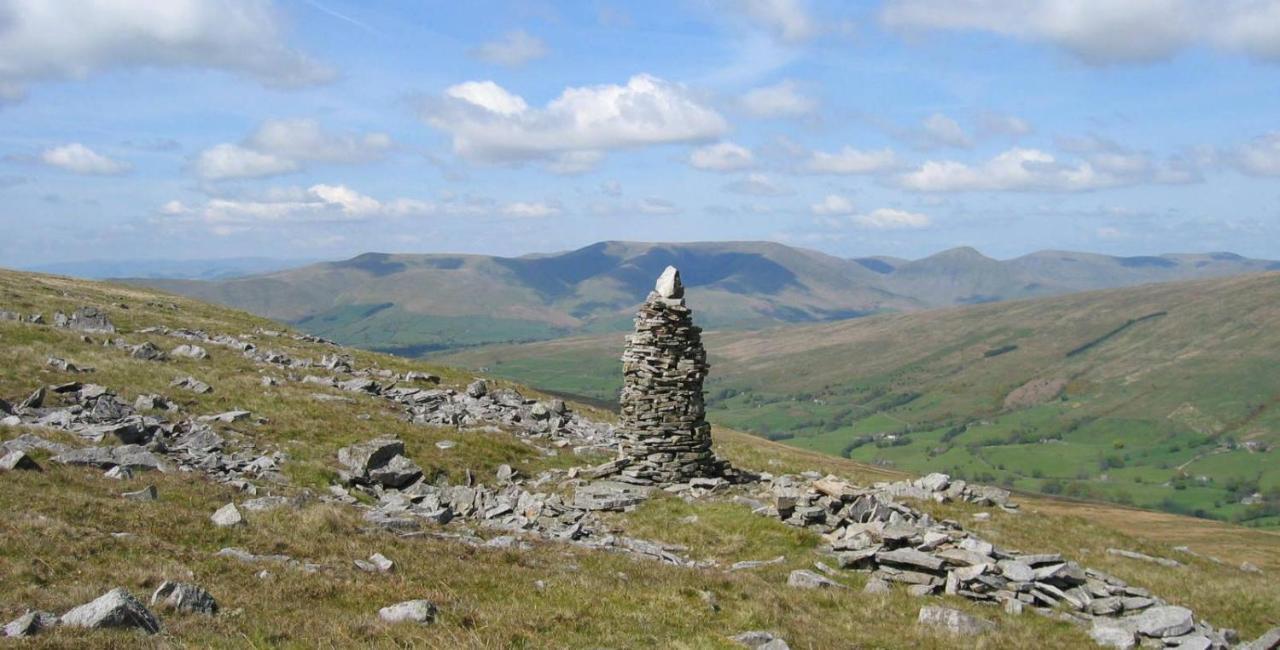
(668,284)
(30,624)
(18,459)
(1109,634)
(759,640)
(85,319)
(876,586)
(803,579)
(377,563)
(147,352)
(115,609)
(1268,641)
(397,473)
(184,597)
(413,611)
(478,388)
(34,401)
(189,352)
(192,384)
(148,493)
(1160,622)
(227,515)
(953,621)
(369,454)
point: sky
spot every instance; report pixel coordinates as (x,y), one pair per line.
(321,129)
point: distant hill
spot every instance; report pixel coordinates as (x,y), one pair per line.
(215,269)
(412,304)
(1163,395)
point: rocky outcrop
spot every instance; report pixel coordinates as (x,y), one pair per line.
(116,608)
(663,428)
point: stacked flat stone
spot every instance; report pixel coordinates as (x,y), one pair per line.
(663,429)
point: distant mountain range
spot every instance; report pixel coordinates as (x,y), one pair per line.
(219,269)
(412,304)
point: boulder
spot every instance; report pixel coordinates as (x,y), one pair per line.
(1160,622)
(362,457)
(116,608)
(759,640)
(414,611)
(1109,634)
(148,493)
(227,515)
(1268,641)
(803,579)
(192,384)
(85,319)
(397,473)
(147,352)
(189,352)
(668,284)
(30,624)
(478,388)
(953,621)
(184,597)
(377,563)
(17,459)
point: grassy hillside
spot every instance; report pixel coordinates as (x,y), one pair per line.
(414,304)
(68,535)
(1163,396)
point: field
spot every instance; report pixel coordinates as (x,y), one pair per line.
(69,537)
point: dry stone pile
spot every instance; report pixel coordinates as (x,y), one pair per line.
(871,530)
(663,429)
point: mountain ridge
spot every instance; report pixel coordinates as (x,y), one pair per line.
(414,303)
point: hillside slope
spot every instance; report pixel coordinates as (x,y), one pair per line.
(69,535)
(411,304)
(1164,395)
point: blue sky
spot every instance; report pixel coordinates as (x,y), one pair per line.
(326,128)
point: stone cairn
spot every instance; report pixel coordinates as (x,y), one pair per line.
(663,432)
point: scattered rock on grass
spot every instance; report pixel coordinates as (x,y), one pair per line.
(116,608)
(227,515)
(184,597)
(414,611)
(30,624)
(18,459)
(803,579)
(953,621)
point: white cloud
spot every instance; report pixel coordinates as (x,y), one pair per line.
(71,39)
(304,140)
(832,205)
(892,219)
(317,204)
(227,161)
(515,48)
(836,211)
(531,209)
(946,132)
(758,185)
(788,20)
(722,157)
(1259,157)
(852,161)
(488,123)
(782,99)
(1102,32)
(79,159)
(284,146)
(1023,170)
